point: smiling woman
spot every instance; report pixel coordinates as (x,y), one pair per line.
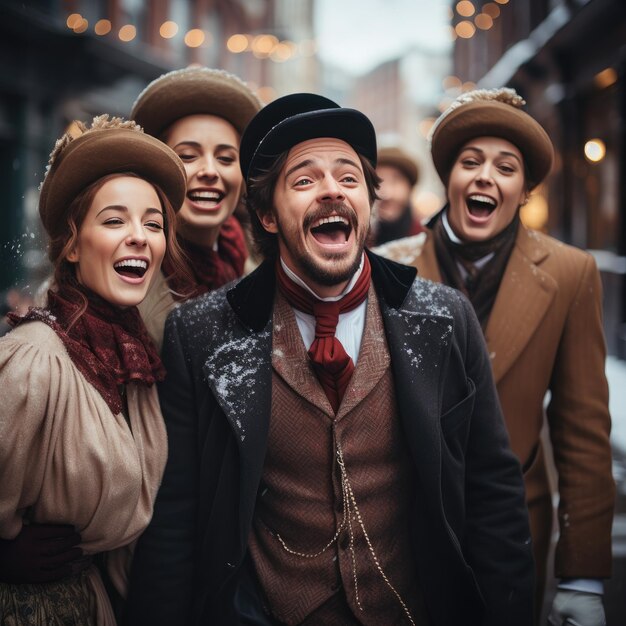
(539,302)
(200,113)
(82,439)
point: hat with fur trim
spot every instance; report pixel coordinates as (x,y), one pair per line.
(194,91)
(491,113)
(394,157)
(108,146)
(295,118)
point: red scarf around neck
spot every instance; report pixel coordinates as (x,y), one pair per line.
(331,363)
(110,346)
(212,268)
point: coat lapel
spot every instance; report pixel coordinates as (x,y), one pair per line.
(239,374)
(523,299)
(419,335)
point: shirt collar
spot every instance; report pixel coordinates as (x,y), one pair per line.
(296,279)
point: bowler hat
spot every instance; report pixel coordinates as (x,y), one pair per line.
(491,113)
(295,118)
(109,146)
(194,91)
(394,157)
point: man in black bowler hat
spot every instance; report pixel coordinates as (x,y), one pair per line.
(337,450)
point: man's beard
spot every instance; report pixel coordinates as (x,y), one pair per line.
(322,275)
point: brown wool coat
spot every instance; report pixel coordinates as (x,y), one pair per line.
(545,334)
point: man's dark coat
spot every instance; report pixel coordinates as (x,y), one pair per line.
(470,527)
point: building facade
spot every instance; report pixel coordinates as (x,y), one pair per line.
(65,60)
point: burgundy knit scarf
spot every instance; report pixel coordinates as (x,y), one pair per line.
(211,268)
(110,346)
(331,363)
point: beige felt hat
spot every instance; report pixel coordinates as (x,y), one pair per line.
(192,91)
(491,113)
(108,146)
(394,157)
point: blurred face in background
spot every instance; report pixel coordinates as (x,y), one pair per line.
(394,193)
(209,149)
(486,188)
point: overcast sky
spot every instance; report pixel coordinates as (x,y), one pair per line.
(357,35)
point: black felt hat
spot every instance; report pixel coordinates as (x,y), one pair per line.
(295,118)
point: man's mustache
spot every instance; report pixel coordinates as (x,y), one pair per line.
(326,209)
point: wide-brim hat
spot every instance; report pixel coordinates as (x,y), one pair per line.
(491,113)
(395,157)
(107,147)
(298,117)
(194,91)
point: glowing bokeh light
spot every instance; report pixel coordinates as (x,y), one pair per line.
(465,29)
(465,8)
(595,150)
(73,20)
(195,38)
(237,43)
(102,27)
(605,78)
(127,33)
(483,21)
(168,29)
(492,10)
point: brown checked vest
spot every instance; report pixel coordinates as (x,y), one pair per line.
(330,541)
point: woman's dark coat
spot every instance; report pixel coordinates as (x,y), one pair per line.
(470,526)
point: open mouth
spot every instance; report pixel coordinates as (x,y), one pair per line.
(131,268)
(333,230)
(206,199)
(480,206)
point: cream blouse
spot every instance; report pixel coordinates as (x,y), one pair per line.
(65,458)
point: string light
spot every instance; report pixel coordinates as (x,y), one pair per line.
(102,27)
(595,150)
(127,33)
(263,45)
(237,43)
(194,38)
(465,8)
(168,30)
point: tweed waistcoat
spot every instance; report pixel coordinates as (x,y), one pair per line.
(301,505)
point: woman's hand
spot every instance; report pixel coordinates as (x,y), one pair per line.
(41,553)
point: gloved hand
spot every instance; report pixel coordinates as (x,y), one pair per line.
(41,553)
(577,608)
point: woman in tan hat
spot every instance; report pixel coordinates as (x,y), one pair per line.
(82,440)
(200,113)
(539,303)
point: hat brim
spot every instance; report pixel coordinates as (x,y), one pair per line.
(492,119)
(201,91)
(406,165)
(347,125)
(98,153)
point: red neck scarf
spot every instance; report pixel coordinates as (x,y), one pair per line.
(110,346)
(331,363)
(212,268)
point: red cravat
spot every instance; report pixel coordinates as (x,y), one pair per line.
(332,364)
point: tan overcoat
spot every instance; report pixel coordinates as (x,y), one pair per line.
(545,336)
